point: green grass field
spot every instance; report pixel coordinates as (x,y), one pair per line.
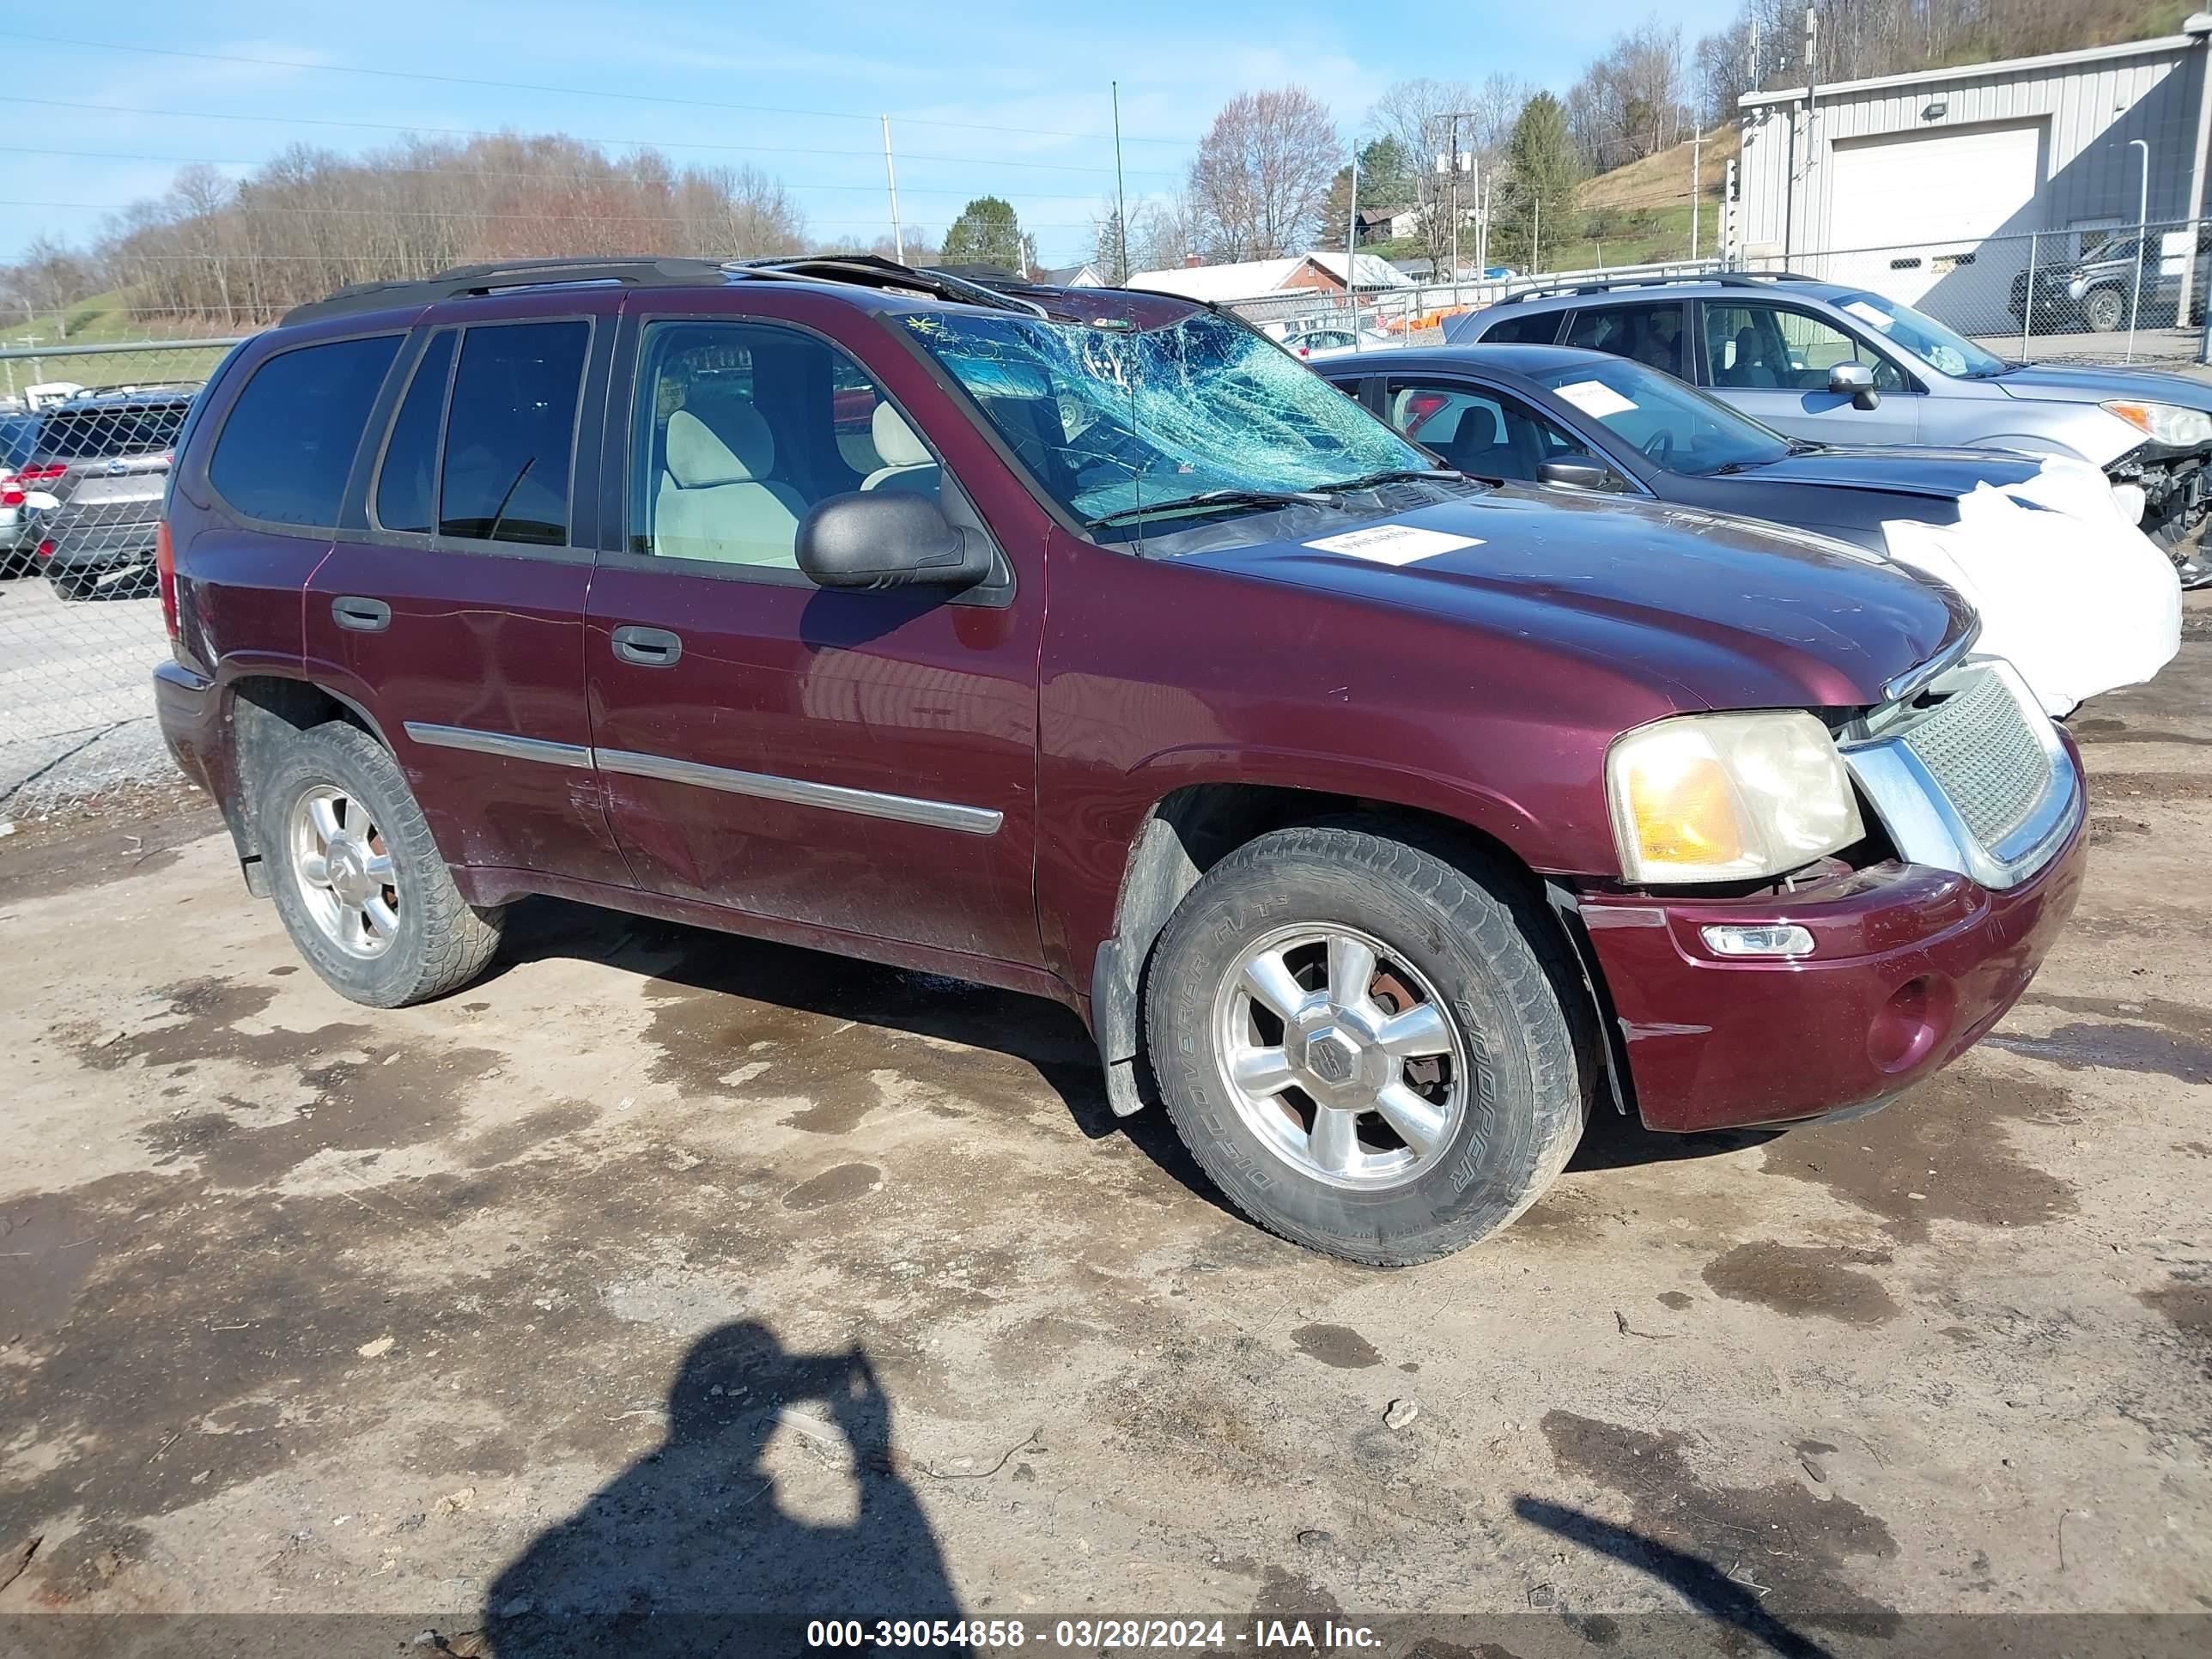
(102,319)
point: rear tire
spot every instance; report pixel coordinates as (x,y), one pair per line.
(357,879)
(1493,1098)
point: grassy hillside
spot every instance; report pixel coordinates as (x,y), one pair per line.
(1662,179)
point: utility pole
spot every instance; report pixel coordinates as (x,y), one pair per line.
(890,173)
(1696,166)
(1121,195)
(1454,162)
(1351,237)
(1696,180)
(1812,102)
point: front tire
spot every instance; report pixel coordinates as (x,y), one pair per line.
(1366,1045)
(2104,309)
(357,879)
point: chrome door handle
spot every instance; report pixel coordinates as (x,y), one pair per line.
(649,648)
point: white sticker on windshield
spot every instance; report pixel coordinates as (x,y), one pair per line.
(1597,400)
(1869,313)
(1394,543)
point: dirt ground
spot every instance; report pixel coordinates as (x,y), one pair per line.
(665,1272)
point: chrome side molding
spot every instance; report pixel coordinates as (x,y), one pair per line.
(798,792)
(505,745)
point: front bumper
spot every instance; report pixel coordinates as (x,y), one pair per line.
(1911,965)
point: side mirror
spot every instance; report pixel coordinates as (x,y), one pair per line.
(888,539)
(1855,381)
(1576,472)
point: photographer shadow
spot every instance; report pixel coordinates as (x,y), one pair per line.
(693,1550)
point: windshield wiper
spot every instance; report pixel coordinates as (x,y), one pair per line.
(1213,498)
(1804,446)
(1395,475)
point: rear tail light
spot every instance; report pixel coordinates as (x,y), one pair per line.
(165,572)
(10,495)
(1419,406)
(46,548)
(42,474)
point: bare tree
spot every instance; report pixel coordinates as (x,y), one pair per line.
(1160,234)
(1262,173)
(1419,114)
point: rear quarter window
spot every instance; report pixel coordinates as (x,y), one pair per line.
(287,445)
(1531,328)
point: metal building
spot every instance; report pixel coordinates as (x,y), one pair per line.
(1963,176)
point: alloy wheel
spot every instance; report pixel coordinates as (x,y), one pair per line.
(1340,1056)
(346,875)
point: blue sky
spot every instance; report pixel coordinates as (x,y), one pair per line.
(1008,100)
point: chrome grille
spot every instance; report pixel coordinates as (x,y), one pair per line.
(1980,749)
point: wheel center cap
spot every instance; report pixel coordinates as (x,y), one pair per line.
(1332,1057)
(349,872)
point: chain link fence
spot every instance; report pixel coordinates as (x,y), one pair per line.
(2097,293)
(86,437)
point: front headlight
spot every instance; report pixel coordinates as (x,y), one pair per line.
(1728,796)
(2166,424)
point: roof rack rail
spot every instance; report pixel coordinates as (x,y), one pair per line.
(864,270)
(1608,285)
(638,270)
(873,270)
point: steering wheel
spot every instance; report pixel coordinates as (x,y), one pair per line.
(1659,446)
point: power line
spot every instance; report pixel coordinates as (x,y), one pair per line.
(579,92)
(470,215)
(492,172)
(631,143)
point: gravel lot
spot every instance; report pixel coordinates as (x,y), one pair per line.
(76,711)
(663,1272)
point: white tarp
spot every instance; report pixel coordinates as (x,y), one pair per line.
(2076,597)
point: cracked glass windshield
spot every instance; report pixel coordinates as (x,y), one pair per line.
(1125,427)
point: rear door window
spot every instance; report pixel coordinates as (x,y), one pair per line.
(511,436)
(1651,334)
(288,442)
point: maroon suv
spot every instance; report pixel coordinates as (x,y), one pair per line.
(1083,642)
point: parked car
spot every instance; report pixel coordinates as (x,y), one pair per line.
(1332,341)
(2089,608)
(1395,819)
(1828,361)
(103,458)
(2130,279)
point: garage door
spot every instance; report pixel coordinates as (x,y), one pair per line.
(1928,198)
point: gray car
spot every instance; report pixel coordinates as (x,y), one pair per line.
(1839,365)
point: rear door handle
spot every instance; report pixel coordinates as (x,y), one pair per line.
(362,616)
(649,648)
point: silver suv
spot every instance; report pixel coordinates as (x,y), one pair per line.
(1840,365)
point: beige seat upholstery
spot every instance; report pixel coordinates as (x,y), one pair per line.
(715,501)
(907,463)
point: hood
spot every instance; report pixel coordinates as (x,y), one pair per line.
(1713,612)
(1906,471)
(2087,384)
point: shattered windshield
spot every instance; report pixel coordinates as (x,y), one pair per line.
(1126,426)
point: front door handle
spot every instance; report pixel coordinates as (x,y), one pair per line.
(362,616)
(649,648)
